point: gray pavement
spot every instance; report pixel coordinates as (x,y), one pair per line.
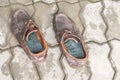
(98,22)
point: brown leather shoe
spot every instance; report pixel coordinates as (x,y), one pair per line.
(28,35)
(70,40)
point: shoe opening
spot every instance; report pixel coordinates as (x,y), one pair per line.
(75,48)
(34,43)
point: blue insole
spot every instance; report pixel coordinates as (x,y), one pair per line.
(75,48)
(34,44)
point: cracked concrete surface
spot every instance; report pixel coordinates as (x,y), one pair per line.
(93,22)
(75,74)
(4,69)
(98,56)
(115,56)
(22,66)
(98,22)
(50,69)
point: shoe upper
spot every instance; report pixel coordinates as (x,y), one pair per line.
(62,23)
(69,38)
(28,35)
(19,18)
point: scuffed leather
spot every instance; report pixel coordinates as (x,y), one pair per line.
(64,27)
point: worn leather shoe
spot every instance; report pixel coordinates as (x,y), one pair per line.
(28,35)
(70,40)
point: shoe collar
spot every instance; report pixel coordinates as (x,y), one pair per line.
(68,35)
(31,27)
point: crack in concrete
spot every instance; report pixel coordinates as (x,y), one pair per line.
(8,63)
(17,3)
(80,12)
(70,2)
(10,67)
(37,70)
(109,55)
(62,66)
(57,7)
(101,42)
(9,48)
(20,3)
(60,62)
(44,2)
(12,56)
(33,8)
(6,5)
(112,62)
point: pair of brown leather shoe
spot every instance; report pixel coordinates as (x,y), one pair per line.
(34,44)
